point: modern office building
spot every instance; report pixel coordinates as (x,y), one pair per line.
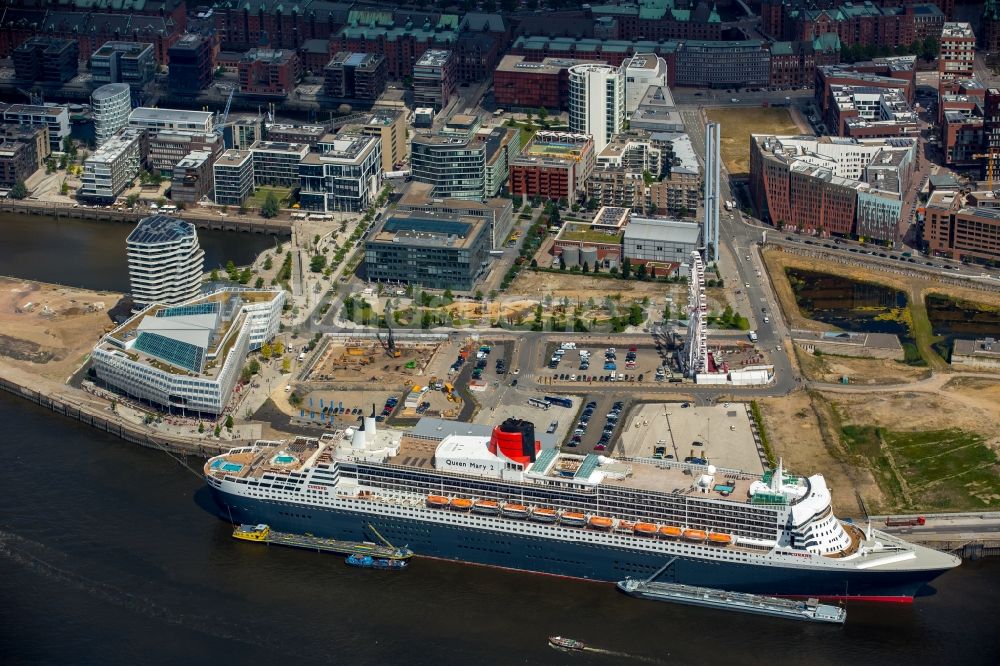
(23,150)
(864,112)
(233,177)
(112,104)
(165,261)
(454,164)
(277,162)
(831,185)
(46,59)
(553,165)
(956,56)
(661,244)
(110,169)
(434,79)
(193,178)
(503,144)
(964,226)
(192,65)
(54,118)
(596,102)
(345,176)
(132,63)
(168,147)
(389,125)
(642,71)
(893,73)
(355,75)
(243,133)
(155,120)
(497,213)
(268,72)
(438,251)
(309,135)
(187,358)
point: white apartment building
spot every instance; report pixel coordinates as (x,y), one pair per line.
(112,167)
(188,357)
(233,174)
(596,102)
(112,104)
(642,71)
(345,176)
(56,118)
(172,119)
(165,261)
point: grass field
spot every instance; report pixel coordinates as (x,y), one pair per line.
(948,470)
(739,123)
(260,194)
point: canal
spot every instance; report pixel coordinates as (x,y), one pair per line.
(91,254)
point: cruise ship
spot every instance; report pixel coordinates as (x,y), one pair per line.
(502,500)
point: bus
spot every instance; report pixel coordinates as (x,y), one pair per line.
(541,404)
(561,402)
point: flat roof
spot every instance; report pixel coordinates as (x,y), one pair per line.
(145,113)
(663,229)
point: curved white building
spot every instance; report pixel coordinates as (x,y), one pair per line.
(112,105)
(165,261)
(596,102)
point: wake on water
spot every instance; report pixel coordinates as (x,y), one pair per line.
(48,563)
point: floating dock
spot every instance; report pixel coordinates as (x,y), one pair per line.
(809,611)
(264,534)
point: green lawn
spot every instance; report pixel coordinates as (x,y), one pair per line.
(945,470)
(589,236)
(260,194)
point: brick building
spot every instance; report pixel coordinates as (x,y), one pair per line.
(894,73)
(268,72)
(23,150)
(956,56)
(521,84)
(793,64)
(553,165)
(862,24)
(961,227)
(243,25)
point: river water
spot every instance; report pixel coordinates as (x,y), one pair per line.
(111,553)
(91,254)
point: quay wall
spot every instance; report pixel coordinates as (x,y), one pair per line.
(201,219)
(126,431)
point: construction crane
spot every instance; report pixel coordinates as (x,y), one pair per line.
(389,344)
(225,114)
(989,156)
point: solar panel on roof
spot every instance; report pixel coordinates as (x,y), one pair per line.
(194,309)
(174,352)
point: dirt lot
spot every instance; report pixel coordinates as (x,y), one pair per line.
(738,123)
(367,362)
(807,448)
(865,371)
(805,431)
(49,330)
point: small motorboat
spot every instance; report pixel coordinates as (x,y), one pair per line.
(670,531)
(720,539)
(600,522)
(695,535)
(511,510)
(572,518)
(645,529)
(562,643)
(369,562)
(461,504)
(437,501)
(488,507)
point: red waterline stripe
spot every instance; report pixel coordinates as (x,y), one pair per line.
(883,599)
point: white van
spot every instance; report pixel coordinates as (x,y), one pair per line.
(302,356)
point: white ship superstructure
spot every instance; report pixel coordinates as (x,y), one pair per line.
(495,501)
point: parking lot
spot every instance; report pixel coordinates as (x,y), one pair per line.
(344,407)
(514,404)
(720,434)
(632,364)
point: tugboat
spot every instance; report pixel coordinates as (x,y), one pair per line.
(567,644)
(369,562)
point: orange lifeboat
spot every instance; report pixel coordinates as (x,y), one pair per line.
(695,535)
(489,507)
(512,510)
(461,504)
(600,522)
(544,515)
(670,531)
(624,526)
(720,539)
(645,529)
(437,501)
(572,518)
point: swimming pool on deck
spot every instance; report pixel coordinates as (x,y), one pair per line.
(226,466)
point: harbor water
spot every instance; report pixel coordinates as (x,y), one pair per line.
(91,254)
(110,553)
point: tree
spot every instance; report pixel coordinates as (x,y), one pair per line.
(266,351)
(286,365)
(277,347)
(626,268)
(448,296)
(259,283)
(218,430)
(562,262)
(201,427)
(317,263)
(586,267)
(214,275)
(229,422)
(131,200)
(245,275)
(19,191)
(270,207)
(479,294)
(640,272)
(268,264)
